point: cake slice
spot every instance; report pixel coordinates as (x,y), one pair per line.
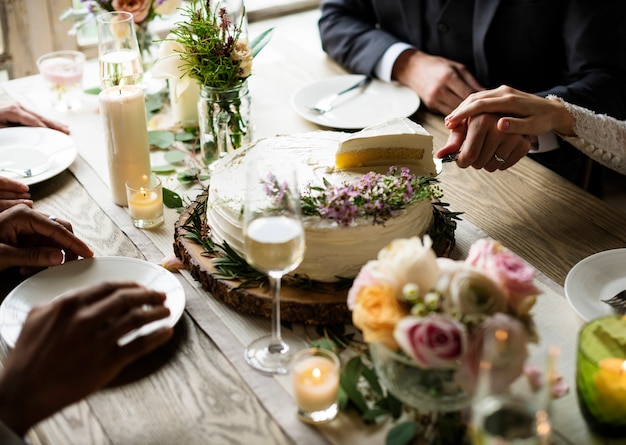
(399,142)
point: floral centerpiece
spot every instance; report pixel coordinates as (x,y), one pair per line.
(424,318)
(143,11)
(214,52)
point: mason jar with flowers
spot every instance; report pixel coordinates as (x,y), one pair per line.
(214,52)
(424,318)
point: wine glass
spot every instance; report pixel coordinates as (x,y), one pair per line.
(273,244)
(511,404)
(118,50)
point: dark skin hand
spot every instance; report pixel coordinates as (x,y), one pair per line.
(13,192)
(69,348)
(30,240)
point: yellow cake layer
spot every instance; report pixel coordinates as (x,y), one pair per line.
(378,156)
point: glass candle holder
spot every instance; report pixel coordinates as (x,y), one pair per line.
(601,375)
(315,377)
(63,72)
(145,201)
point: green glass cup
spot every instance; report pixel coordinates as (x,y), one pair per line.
(601,375)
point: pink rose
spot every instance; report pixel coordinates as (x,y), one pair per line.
(515,276)
(138,8)
(433,342)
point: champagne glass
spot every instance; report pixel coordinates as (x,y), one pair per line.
(118,50)
(273,244)
(511,404)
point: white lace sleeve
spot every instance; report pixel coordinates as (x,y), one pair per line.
(601,137)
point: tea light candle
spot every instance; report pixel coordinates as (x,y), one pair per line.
(145,201)
(315,376)
(611,385)
(123,112)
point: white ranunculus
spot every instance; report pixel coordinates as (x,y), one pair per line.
(411,261)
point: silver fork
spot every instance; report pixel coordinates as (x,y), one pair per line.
(327,103)
(27,172)
(618,302)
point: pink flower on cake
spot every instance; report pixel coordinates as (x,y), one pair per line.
(433,342)
(509,271)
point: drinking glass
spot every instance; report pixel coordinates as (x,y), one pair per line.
(63,72)
(118,50)
(273,244)
(513,391)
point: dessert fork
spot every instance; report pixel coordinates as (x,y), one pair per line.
(618,302)
(26,172)
(327,103)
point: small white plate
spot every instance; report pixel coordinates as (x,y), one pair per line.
(29,147)
(376,103)
(50,283)
(596,278)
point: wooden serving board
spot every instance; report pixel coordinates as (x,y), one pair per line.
(323,305)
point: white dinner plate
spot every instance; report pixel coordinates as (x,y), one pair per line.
(377,102)
(596,278)
(56,281)
(32,147)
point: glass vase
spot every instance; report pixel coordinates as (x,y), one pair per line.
(224,120)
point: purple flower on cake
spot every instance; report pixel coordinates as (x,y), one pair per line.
(374,195)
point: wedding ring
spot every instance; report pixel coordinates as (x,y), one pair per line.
(498,158)
(52,218)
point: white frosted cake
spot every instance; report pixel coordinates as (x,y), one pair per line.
(333,250)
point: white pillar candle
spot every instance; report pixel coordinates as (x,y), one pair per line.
(315,383)
(123,112)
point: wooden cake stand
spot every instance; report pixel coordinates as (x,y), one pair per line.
(324,303)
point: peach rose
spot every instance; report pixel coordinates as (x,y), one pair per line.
(376,313)
(138,8)
(242,54)
(166,7)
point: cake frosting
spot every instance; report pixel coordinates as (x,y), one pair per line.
(332,251)
(399,142)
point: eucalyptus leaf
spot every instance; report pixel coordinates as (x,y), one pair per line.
(94,90)
(401,434)
(154,103)
(260,41)
(185,136)
(161,138)
(162,169)
(349,381)
(171,199)
(174,157)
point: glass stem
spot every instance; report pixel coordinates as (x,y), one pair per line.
(276,345)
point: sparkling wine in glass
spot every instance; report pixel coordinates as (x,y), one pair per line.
(273,244)
(118,51)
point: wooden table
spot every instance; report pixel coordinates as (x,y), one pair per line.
(198,389)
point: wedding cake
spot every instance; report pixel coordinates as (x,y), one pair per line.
(336,249)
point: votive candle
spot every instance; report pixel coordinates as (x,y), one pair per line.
(123,112)
(145,201)
(315,377)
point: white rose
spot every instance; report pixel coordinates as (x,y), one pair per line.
(467,290)
(411,261)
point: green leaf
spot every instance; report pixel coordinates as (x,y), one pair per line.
(349,382)
(162,169)
(94,90)
(401,434)
(174,157)
(171,199)
(260,41)
(161,138)
(185,136)
(372,378)
(154,103)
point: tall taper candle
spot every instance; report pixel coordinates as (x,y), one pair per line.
(123,112)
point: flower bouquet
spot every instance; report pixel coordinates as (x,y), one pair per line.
(143,11)
(424,319)
(210,49)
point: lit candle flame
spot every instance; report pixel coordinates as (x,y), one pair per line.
(316,373)
(624,366)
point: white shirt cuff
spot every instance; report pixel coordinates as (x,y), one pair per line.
(546,142)
(385,64)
